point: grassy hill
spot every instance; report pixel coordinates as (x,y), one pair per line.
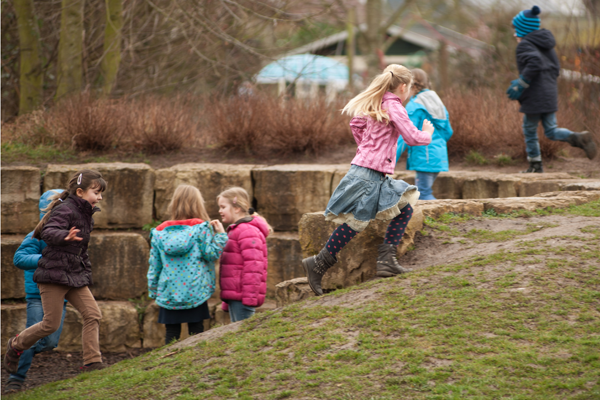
(520,321)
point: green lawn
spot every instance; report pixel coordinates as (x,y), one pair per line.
(522,323)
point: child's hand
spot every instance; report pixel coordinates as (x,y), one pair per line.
(217,225)
(73,235)
(428,127)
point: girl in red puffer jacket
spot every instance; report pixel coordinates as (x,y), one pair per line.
(243,273)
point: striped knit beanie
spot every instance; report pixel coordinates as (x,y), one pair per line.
(527,21)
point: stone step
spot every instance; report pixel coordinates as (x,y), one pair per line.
(20,199)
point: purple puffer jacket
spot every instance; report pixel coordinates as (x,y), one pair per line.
(243,273)
(377,141)
(62,262)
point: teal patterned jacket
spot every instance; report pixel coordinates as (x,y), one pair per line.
(182,263)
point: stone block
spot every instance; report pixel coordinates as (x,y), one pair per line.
(292,291)
(210,179)
(119,328)
(512,204)
(529,188)
(436,208)
(284,193)
(485,186)
(119,265)
(20,199)
(129,196)
(581,185)
(448,185)
(14,320)
(13,283)
(285,259)
(357,261)
(578,196)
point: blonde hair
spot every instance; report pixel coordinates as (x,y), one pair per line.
(420,80)
(187,203)
(368,103)
(239,198)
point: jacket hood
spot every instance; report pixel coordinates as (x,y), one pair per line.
(542,38)
(176,236)
(256,221)
(45,200)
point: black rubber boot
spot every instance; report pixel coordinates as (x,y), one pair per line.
(315,268)
(584,141)
(534,167)
(11,357)
(387,263)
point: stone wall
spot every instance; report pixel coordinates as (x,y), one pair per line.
(20,199)
(129,196)
(286,195)
(211,179)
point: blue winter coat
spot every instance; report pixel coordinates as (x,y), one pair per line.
(30,251)
(434,157)
(182,263)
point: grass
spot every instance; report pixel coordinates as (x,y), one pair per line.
(476,158)
(22,152)
(520,323)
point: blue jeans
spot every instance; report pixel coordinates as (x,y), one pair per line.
(35,314)
(551,130)
(238,311)
(424,181)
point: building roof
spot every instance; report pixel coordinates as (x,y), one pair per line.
(421,33)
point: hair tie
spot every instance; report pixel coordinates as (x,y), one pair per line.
(251,211)
(392,74)
(60,199)
(79,179)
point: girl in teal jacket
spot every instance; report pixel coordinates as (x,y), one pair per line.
(428,161)
(181,276)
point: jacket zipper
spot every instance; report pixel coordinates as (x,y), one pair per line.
(427,153)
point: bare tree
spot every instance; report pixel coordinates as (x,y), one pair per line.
(70,48)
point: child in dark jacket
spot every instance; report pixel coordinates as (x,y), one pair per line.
(64,270)
(536,88)
(243,274)
(26,258)
(181,276)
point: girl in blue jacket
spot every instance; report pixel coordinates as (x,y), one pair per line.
(181,276)
(26,258)
(428,161)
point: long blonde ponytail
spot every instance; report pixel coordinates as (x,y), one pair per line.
(368,103)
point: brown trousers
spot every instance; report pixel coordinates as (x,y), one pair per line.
(53,297)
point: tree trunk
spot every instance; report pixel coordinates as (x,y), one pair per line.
(374,37)
(112,44)
(70,48)
(31,77)
(350,49)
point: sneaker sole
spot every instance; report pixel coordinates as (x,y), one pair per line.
(304,264)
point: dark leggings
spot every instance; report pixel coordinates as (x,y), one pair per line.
(174,330)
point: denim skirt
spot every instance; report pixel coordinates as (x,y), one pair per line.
(365,194)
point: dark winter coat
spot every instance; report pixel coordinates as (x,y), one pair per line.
(538,64)
(62,262)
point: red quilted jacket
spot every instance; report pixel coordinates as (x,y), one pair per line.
(243,274)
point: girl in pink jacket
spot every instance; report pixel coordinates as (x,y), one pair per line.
(366,192)
(243,273)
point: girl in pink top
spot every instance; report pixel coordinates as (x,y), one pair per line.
(366,192)
(243,273)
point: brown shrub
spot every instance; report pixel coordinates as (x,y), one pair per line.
(263,123)
(486,121)
(152,125)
